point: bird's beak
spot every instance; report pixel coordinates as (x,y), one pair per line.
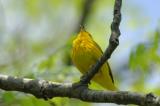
(82,29)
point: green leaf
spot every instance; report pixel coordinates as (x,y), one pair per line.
(8,97)
(47,63)
(156,40)
(145,54)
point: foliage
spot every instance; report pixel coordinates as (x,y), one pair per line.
(146,54)
(146,58)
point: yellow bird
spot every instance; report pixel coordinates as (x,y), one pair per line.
(85,53)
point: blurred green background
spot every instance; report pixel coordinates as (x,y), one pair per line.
(36,38)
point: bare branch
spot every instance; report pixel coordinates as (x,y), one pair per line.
(45,89)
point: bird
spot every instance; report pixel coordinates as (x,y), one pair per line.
(85,53)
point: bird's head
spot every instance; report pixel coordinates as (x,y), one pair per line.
(84,33)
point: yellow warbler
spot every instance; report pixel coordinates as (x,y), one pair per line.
(85,53)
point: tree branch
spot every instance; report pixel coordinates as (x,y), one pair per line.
(113,43)
(46,89)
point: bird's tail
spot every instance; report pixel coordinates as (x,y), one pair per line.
(107,80)
(107,84)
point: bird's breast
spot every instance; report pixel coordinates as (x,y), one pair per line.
(82,55)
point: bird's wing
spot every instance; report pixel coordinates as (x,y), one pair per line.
(110,72)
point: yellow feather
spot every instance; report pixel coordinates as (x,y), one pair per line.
(85,54)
